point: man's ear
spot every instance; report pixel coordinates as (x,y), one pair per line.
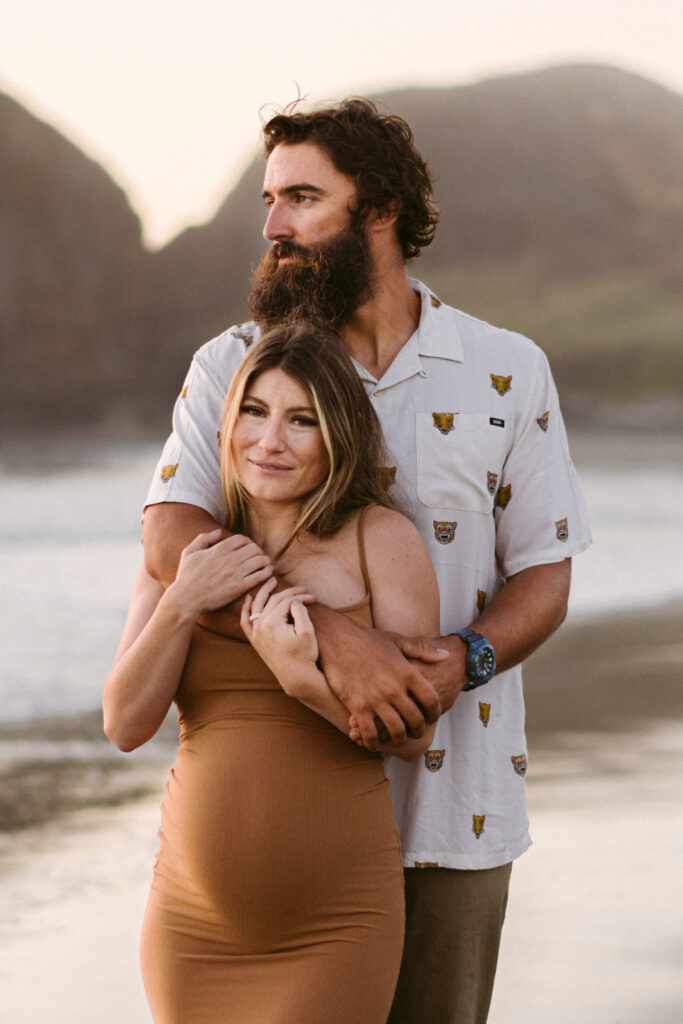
(381,220)
(390,213)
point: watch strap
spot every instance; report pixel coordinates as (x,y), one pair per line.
(473,684)
(468,635)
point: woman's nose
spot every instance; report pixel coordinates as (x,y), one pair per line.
(272,438)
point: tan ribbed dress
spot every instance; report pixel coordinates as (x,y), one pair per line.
(278,891)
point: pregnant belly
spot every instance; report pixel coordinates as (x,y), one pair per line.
(277,828)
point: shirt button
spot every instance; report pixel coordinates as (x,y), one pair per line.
(376,394)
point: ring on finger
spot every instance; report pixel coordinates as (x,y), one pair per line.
(255,615)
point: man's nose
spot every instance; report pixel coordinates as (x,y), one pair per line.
(277,227)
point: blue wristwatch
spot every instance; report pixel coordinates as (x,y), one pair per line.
(480,662)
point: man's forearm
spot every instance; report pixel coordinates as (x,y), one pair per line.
(522,615)
(528,609)
(367,672)
(167,528)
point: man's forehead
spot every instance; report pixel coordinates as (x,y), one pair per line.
(302,163)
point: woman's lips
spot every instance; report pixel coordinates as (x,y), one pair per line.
(270,467)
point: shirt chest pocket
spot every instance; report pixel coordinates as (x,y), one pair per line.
(459,460)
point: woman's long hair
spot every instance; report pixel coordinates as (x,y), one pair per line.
(356,476)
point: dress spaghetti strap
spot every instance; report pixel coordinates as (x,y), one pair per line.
(361,550)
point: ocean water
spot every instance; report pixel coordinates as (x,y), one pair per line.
(70,545)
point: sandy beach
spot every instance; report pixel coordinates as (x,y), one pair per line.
(593,928)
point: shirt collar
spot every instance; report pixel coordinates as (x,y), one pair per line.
(437,334)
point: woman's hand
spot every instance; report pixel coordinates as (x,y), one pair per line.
(213,572)
(409,750)
(280,630)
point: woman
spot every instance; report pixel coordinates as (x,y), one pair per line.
(277,893)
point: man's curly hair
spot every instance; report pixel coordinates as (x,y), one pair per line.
(377,151)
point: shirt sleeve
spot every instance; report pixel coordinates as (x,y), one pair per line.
(540,512)
(188,470)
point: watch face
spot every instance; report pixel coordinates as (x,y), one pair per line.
(485,662)
(482,661)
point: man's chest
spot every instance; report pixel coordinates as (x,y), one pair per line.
(447,439)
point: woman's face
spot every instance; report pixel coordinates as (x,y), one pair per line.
(277,445)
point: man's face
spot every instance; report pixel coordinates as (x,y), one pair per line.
(308,199)
(319,267)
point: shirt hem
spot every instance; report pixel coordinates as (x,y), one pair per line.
(464,862)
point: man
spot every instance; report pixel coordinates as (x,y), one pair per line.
(472,422)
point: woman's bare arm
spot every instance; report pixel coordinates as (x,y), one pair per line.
(152,652)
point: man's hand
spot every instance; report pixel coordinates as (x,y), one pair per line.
(367,671)
(447,676)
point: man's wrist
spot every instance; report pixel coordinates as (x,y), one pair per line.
(480,658)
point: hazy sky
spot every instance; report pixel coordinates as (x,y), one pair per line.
(166,94)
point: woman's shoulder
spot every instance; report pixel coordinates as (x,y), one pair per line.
(388,527)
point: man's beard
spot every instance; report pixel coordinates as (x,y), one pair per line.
(325,283)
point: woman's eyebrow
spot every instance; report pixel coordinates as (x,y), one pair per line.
(290,409)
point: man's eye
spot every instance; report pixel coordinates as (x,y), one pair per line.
(302,197)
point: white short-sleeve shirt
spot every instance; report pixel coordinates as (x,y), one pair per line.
(472,423)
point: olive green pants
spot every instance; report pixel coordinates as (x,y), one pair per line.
(453,924)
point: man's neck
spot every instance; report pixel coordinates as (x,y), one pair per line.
(379,328)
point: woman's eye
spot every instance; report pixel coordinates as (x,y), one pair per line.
(251,410)
(305,421)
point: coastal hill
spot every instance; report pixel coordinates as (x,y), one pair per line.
(561,196)
(71,265)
